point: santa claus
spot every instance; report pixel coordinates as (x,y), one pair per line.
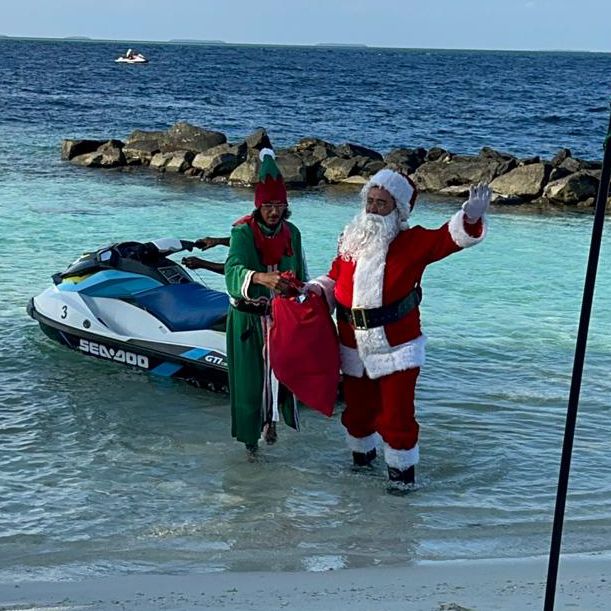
(374,283)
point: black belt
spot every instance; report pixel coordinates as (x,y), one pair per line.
(252,307)
(368,318)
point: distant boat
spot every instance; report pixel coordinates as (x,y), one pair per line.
(132,57)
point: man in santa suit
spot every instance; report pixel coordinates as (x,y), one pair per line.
(374,283)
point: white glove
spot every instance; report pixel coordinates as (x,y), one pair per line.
(477,204)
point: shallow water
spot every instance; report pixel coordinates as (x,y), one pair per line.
(106,470)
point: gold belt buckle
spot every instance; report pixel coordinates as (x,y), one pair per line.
(359,319)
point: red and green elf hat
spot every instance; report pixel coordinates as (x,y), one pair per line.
(271,187)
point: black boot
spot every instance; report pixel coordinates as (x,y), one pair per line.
(362,459)
(401,481)
(252,450)
(270,434)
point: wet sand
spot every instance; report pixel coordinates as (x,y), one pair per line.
(584,583)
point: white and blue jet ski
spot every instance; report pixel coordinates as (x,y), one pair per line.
(129,303)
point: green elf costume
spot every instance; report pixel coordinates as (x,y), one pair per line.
(256,396)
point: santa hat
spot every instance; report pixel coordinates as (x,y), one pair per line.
(270,187)
(402,189)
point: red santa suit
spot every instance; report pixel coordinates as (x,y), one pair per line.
(381,364)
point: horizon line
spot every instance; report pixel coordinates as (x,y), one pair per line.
(204,42)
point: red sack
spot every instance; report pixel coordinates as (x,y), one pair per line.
(304,350)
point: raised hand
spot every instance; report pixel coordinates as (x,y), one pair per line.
(477,204)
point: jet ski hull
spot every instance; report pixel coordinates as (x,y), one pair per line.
(202,367)
(124,60)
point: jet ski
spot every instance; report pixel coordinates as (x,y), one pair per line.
(131,57)
(129,303)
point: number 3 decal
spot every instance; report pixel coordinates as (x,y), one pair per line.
(64,312)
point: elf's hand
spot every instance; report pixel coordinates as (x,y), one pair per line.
(477,204)
(208,242)
(191,262)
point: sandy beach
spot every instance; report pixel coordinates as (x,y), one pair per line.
(584,583)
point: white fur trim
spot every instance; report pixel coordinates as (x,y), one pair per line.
(352,365)
(398,186)
(327,285)
(368,286)
(246,283)
(399,358)
(376,354)
(266,153)
(401,459)
(459,235)
(362,444)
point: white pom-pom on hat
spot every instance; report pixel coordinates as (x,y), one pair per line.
(266,153)
(400,187)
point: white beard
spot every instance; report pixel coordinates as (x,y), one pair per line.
(368,233)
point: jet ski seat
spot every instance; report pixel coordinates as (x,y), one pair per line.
(185,307)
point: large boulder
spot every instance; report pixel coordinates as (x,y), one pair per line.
(140,153)
(591,165)
(141,146)
(558,173)
(349,150)
(187,137)
(315,146)
(292,168)
(570,165)
(572,189)
(313,151)
(456,171)
(560,157)
(108,155)
(161,160)
(567,165)
(506,161)
(220,160)
(180,161)
(366,166)
(489,153)
(75,148)
(405,160)
(337,169)
(142,137)
(437,154)
(526,181)
(258,140)
(246,174)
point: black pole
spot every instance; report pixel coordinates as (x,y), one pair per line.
(580,350)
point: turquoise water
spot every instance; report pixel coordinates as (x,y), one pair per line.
(106,470)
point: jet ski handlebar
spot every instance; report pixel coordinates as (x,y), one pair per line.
(168,246)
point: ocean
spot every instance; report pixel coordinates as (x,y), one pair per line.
(107,471)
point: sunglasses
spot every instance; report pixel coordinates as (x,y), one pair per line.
(277,207)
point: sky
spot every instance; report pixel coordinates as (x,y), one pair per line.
(567,25)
